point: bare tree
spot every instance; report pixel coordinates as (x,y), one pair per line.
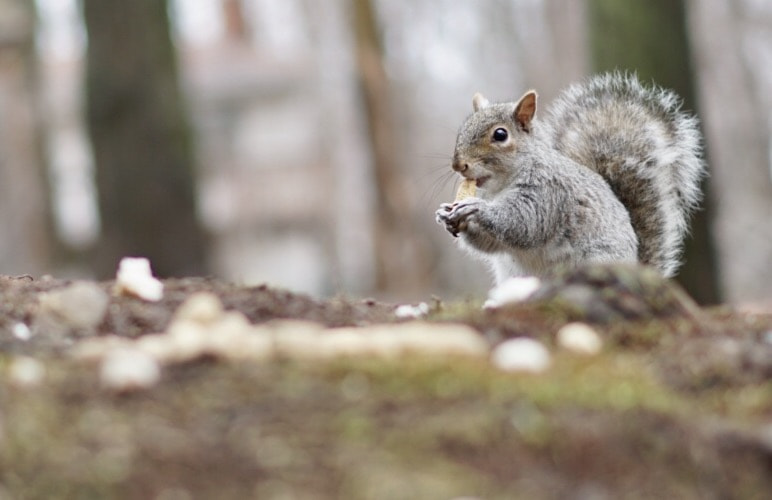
(650,38)
(399,262)
(141,139)
(25,220)
(733,44)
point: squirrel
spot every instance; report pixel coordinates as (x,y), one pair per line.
(610,174)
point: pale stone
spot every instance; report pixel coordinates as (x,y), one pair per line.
(200,307)
(521,354)
(125,369)
(189,340)
(134,277)
(26,372)
(21,331)
(579,338)
(233,337)
(81,305)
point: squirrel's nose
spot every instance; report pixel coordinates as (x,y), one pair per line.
(460,167)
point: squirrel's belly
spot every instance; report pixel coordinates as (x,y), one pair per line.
(543,261)
(520,263)
(539,262)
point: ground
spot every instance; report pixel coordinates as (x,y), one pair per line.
(678,404)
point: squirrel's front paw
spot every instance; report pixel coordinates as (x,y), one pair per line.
(456,216)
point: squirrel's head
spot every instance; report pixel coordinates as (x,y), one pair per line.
(490,137)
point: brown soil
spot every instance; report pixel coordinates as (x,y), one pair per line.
(678,405)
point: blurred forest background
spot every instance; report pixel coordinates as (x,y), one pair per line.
(306,143)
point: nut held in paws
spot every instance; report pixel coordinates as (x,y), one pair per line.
(467,189)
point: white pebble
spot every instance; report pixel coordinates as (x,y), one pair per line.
(125,369)
(580,338)
(233,337)
(26,372)
(521,354)
(134,277)
(21,331)
(201,307)
(409,311)
(511,291)
(188,339)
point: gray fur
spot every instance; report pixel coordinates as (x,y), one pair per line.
(611,174)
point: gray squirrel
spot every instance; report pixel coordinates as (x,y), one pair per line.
(610,174)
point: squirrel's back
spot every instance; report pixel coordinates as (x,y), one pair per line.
(646,148)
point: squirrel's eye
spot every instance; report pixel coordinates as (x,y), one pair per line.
(500,135)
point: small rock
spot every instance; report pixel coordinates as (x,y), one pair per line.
(511,291)
(81,305)
(21,331)
(233,337)
(408,311)
(201,307)
(580,338)
(134,277)
(127,369)
(188,339)
(521,354)
(26,372)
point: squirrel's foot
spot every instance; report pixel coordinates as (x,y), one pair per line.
(456,216)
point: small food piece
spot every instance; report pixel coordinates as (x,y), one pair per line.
(135,278)
(467,189)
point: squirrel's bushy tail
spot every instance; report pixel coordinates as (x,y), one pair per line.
(646,148)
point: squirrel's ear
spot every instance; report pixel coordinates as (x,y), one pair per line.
(479,102)
(525,110)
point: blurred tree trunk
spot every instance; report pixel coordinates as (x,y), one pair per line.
(554,46)
(141,139)
(236,28)
(400,265)
(650,38)
(25,216)
(733,47)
